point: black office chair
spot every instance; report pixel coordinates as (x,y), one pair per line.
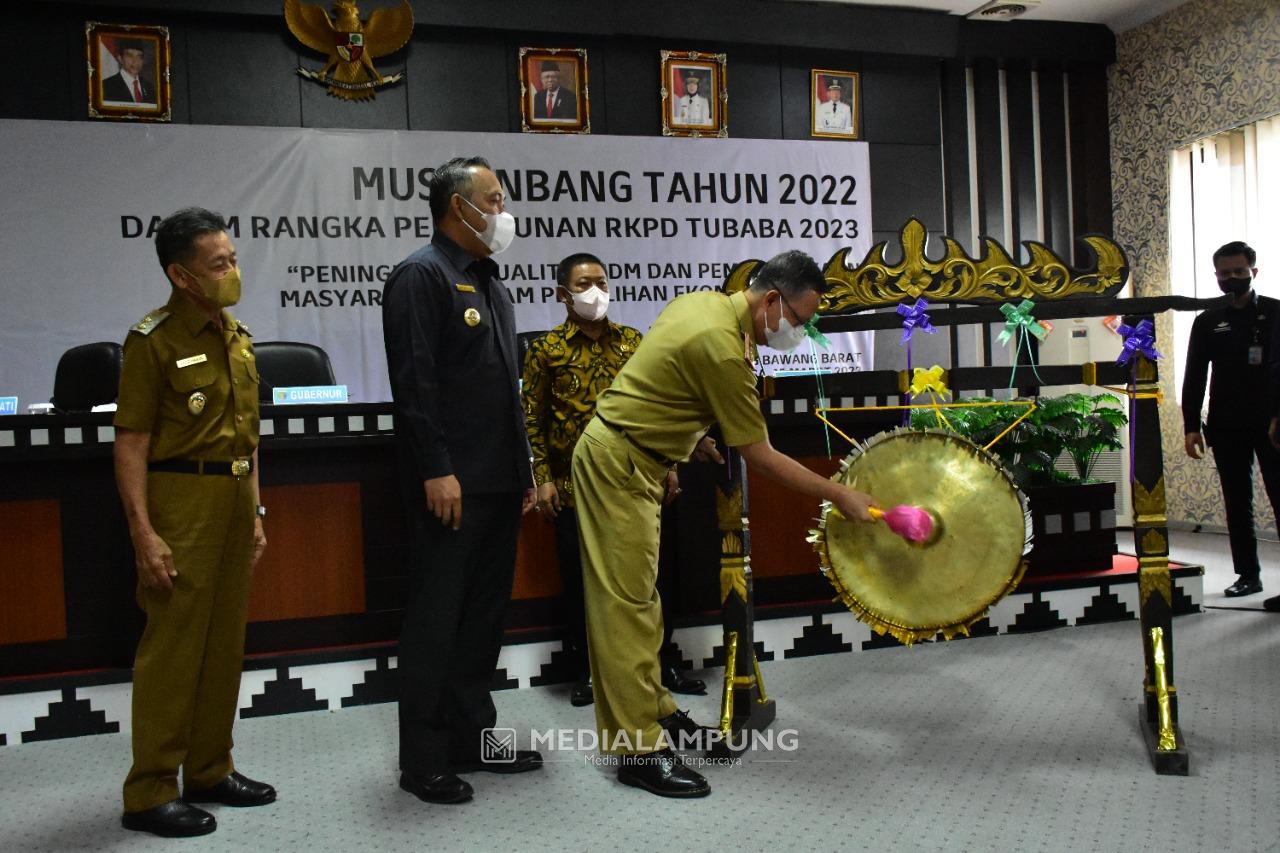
(289,364)
(87,376)
(523,339)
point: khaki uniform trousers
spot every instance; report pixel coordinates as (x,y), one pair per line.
(186,676)
(618,497)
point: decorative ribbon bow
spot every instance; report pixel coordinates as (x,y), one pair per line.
(1138,340)
(811,332)
(930,381)
(1018,320)
(1018,325)
(914,318)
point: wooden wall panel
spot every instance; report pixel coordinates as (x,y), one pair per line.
(986,102)
(314,562)
(215,98)
(906,181)
(780,521)
(537,569)
(32,603)
(900,100)
(1090,152)
(955,148)
(1022,159)
(1053,151)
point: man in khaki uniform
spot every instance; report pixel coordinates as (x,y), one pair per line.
(693,369)
(186,466)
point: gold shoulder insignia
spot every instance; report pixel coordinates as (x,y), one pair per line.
(147,324)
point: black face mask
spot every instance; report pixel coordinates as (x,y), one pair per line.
(1235,286)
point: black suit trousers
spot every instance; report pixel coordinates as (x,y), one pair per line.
(1233,454)
(452,634)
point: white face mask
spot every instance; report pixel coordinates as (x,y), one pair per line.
(499,228)
(786,337)
(591,304)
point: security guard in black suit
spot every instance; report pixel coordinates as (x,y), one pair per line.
(466,476)
(1237,340)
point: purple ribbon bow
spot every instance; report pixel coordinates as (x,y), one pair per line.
(1137,339)
(915,318)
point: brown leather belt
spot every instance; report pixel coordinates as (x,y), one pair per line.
(231,468)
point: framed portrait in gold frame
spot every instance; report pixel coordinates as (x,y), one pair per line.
(695,94)
(554,97)
(834,98)
(128,68)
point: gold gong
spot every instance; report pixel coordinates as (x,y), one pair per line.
(974,559)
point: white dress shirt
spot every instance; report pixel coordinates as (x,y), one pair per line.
(693,109)
(835,117)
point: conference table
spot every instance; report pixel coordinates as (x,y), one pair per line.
(334,573)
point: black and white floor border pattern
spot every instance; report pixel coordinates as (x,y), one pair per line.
(99,703)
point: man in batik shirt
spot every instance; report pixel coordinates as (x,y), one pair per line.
(564,371)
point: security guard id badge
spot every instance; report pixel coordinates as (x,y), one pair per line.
(1255,354)
(309,394)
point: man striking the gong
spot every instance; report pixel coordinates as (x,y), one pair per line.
(696,367)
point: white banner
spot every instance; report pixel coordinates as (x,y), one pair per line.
(320,217)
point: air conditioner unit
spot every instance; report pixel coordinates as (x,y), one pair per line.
(1002,10)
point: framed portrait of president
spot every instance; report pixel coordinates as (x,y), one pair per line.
(554,97)
(833,100)
(128,67)
(695,96)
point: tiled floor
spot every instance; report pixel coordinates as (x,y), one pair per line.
(1022,743)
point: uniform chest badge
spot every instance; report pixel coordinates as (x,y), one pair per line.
(471,316)
(196,402)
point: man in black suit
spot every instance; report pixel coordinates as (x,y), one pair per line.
(552,101)
(127,85)
(1235,338)
(464,462)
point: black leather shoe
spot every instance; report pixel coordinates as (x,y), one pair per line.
(1241,587)
(674,679)
(582,695)
(662,773)
(1272,604)
(684,732)
(174,819)
(526,760)
(440,788)
(235,790)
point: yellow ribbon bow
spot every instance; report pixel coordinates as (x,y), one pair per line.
(930,381)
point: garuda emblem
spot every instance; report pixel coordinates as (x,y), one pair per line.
(350,44)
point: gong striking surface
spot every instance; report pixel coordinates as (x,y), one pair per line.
(974,559)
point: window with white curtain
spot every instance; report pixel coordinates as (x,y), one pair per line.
(1224,187)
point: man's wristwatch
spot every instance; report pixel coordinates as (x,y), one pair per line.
(260,511)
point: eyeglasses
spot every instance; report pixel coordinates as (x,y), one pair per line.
(795,313)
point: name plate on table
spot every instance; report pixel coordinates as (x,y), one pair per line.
(8,405)
(303,394)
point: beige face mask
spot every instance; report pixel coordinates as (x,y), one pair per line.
(223,291)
